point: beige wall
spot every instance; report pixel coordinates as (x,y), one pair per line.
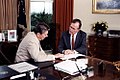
(83,10)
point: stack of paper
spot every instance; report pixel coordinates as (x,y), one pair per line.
(22,67)
(70,67)
(69,56)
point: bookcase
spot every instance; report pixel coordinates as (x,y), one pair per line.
(104,47)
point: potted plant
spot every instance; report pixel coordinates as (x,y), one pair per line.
(99,27)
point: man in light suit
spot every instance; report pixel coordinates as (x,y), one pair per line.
(65,44)
(30,47)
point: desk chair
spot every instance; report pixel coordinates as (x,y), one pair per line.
(7,53)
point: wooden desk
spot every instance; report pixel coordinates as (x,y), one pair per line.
(109,73)
(6,72)
(107,48)
(13,72)
(48,72)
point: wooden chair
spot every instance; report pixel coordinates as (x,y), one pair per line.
(7,53)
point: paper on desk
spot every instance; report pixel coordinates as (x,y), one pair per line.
(22,67)
(69,56)
(70,67)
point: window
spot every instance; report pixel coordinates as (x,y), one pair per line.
(39,6)
(42,10)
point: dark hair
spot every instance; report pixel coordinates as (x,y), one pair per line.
(41,28)
(77,20)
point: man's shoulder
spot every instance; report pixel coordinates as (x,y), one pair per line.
(82,32)
(30,37)
(65,33)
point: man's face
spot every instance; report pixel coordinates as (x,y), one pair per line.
(74,28)
(43,35)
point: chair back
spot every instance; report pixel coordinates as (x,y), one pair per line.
(7,53)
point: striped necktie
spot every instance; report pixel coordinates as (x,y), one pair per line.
(73,42)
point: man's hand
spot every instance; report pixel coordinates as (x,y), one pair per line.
(59,55)
(68,51)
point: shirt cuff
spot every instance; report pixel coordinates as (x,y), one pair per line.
(63,51)
(75,52)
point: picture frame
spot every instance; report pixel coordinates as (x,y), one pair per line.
(5,35)
(106,6)
(2,37)
(12,35)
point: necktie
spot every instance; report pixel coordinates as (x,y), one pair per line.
(73,42)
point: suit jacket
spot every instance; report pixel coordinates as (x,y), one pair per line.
(80,42)
(30,48)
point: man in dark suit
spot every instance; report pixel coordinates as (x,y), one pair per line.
(73,40)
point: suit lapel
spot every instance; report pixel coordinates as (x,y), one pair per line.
(78,39)
(68,40)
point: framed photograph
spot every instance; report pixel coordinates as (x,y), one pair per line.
(12,35)
(2,37)
(5,34)
(106,6)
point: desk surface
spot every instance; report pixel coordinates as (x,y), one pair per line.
(47,70)
(109,71)
(6,72)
